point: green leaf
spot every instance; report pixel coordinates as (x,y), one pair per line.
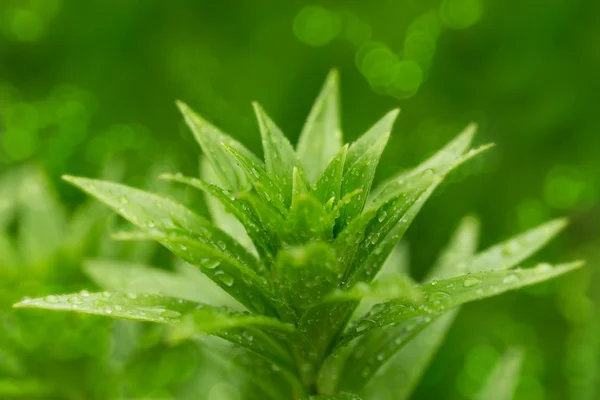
(42,220)
(189,236)
(237,207)
(329,184)
(398,185)
(265,187)
(361,162)
(308,220)
(463,244)
(511,252)
(120,276)
(448,293)
(404,361)
(305,274)
(394,286)
(369,354)
(502,382)
(321,137)
(256,333)
(390,226)
(140,307)
(380,230)
(280,157)
(401,366)
(223,219)
(211,140)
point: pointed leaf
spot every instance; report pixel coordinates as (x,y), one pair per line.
(502,382)
(329,184)
(381,234)
(306,274)
(414,177)
(439,163)
(321,137)
(374,350)
(361,162)
(404,362)
(391,228)
(140,307)
(238,208)
(265,187)
(189,236)
(280,157)
(223,219)
(394,286)
(211,139)
(256,333)
(511,252)
(119,276)
(308,220)
(448,293)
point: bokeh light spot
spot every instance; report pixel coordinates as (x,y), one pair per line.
(316,26)
(460,14)
(420,47)
(380,66)
(355,30)
(26,25)
(409,77)
(564,187)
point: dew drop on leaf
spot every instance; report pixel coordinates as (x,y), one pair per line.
(225,278)
(470,282)
(512,278)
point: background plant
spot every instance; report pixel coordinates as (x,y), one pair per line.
(60,356)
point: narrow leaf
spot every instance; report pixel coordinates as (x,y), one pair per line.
(308,220)
(211,139)
(446,294)
(280,157)
(329,184)
(502,382)
(235,206)
(404,362)
(369,354)
(361,162)
(321,137)
(223,219)
(189,236)
(267,189)
(141,307)
(119,276)
(394,286)
(306,274)
(511,252)
(256,333)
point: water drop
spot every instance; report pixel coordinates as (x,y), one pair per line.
(52,299)
(364,324)
(510,279)
(544,267)
(211,264)
(469,282)
(225,278)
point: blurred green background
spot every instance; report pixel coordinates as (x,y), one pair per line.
(90,84)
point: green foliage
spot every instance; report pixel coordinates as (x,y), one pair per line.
(319,243)
(61,356)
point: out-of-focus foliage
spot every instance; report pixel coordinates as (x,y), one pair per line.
(54,356)
(83,82)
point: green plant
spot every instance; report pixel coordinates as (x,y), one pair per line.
(300,242)
(65,356)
